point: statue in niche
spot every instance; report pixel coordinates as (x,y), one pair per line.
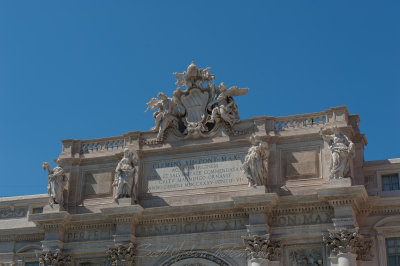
(342,150)
(167,112)
(255,164)
(57,182)
(124,180)
(224,105)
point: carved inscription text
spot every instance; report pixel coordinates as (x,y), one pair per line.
(302,219)
(192,173)
(187,228)
(90,235)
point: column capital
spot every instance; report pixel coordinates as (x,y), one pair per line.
(346,241)
(122,254)
(262,247)
(54,257)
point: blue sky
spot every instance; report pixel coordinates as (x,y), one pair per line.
(85,69)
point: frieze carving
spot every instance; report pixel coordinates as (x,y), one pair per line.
(124,180)
(54,258)
(122,254)
(263,247)
(199,110)
(255,166)
(56,184)
(306,256)
(342,151)
(12,212)
(348,241)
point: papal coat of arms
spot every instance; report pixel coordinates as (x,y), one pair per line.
(199,110)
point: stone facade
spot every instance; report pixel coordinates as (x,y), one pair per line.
(206,188)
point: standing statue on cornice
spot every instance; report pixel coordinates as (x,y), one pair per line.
(342,150)
(167,112)
(224,106)
(57,182)
(124,179)
(255,164)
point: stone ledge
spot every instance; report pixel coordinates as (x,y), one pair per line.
(269,198)
(342,192)
(123,210)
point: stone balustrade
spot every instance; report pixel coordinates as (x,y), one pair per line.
(71,147)
(300,121)
(335,116)
(105,144)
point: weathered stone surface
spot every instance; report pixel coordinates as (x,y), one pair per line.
(301,164)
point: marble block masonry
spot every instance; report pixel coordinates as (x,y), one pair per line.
(204,187)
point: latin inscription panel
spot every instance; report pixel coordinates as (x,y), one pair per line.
(90,235)
(187,228)
(301,219)
(195,172)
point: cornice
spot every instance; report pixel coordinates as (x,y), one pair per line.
(193,218)
(304,208)
(22,237)
(354,196)
(76,226)
(256,203)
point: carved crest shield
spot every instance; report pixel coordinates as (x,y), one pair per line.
(195,103)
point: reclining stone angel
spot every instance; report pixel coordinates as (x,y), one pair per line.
(224,105)
(167,112)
